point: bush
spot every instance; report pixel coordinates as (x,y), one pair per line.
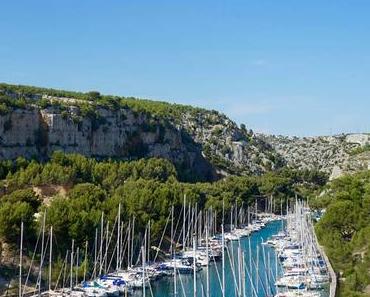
(4,109)
(344,230)
(11,216)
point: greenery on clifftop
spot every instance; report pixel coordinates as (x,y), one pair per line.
(344,231)
(18,95)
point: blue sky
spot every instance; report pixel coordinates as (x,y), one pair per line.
(282,67)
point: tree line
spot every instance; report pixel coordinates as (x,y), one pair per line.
(344,230)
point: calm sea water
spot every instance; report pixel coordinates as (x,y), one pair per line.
(261,283)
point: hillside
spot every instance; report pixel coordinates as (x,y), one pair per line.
(204,144)
(334,155)
(344,230)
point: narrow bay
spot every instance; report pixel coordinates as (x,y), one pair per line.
(165,286)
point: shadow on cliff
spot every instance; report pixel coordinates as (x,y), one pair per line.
(197,168)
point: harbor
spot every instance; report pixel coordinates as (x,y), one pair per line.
(256,254)
(165,287)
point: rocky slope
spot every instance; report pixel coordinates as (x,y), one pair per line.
(203,144)
(334,155)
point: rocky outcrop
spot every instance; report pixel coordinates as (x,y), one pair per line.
(353,164)
(19,133)
(35,132)
(204,144)
(229,147)
(331,154)
(360,139)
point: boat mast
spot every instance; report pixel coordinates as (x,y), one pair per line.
(207,255)
(65,271)
(123,246)
(195,269)
(196,217)
(85,264)
(77,263)
(129,244)
(214,213)
(183,225)
(101,243)
(118,237)
(264,266)
(223,247)
(20,262)
(239,268)
(231,219)
(200,227)
(256,210)
(143,260)
(132,240)
(250,253)
(223,259)
(107,247)
(174,276)
(172,236)
(71,272)
(95,251)
(148,243)
(269,270)
(42,252)
(243,276)
(50,255)
(276,270)
(173,253)
(257,269)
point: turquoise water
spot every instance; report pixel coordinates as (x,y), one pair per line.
(165,286)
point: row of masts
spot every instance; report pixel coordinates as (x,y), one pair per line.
(196,225)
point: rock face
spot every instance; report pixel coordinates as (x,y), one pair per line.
(18,133)
(35,132)
(203,144)
(330,154)
(352,164)
(230,148)
(361,139)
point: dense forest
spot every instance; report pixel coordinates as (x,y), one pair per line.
(344,230)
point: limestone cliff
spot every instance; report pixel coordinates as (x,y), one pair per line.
(203,144)
(35,132)
(334,155)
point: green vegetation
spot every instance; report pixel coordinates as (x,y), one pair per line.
(344,230)
(17,96)
(17,207)
(361,149)
(146,189)
(7,103)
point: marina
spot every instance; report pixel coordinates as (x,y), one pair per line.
(260,255)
